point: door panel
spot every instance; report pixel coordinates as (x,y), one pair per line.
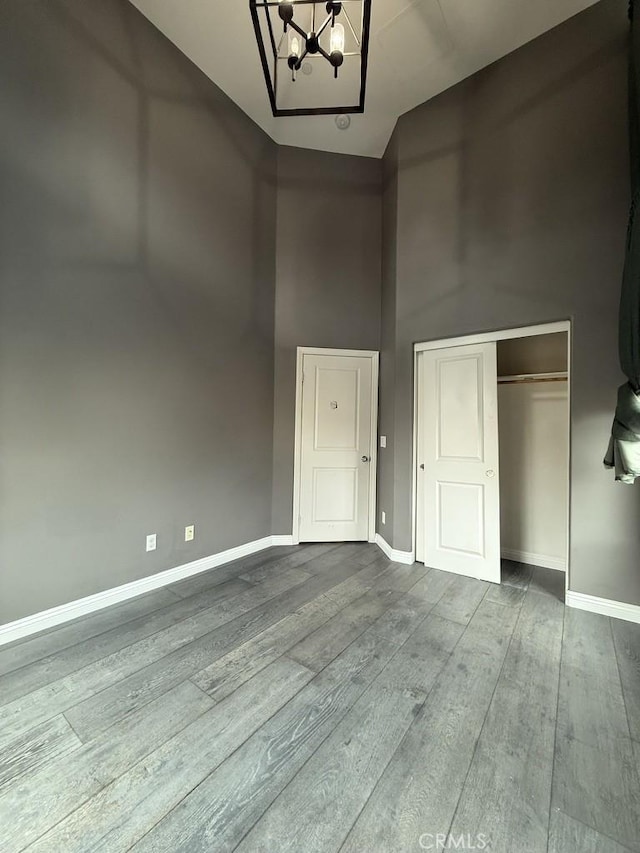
(335,494)
(336,448)
(459,403)
(336,426)
(460,509)
(459,498)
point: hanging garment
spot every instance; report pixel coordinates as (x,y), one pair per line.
(623,452)
(624,446)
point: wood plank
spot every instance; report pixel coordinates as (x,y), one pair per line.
(265,605)
(217,813)
(298,558)
(591,702)
(357,553)
(461,599)
(595,776)
(123,745)
(228,672)
(516,574)
(54,667)
(315,811)
(42,798)
(432,586)
(362,553)
(419,661)
(326,642)
(398,578)
(224,675)
(626,636)
(140,797)
(508,789)
(419,790)
(26,651)
(503,593)
(204,581)
(571,836)
(34,748)
(360,582)
(62,695)
(548,582)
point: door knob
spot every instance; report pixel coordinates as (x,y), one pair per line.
(365,459)
(490,473)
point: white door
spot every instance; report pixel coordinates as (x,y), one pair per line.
(337,448)
(458,488)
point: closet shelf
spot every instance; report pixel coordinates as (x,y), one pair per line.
(521,378)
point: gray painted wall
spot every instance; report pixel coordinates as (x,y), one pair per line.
(512,205)
(147,334)
(137,270)
(386,417)
(327,280)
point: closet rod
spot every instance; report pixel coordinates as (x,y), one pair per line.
(524,378)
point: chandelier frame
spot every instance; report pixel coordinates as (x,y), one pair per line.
(270,10)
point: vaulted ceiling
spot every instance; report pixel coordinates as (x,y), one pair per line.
(418,49)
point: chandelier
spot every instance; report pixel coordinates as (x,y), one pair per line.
(313,54)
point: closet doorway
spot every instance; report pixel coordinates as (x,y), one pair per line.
(491,451)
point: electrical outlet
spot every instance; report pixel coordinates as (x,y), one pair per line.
(384,517)
(189,533)
(383,441)
(152,541)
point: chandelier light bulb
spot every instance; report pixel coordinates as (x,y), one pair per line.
(294,45)
(337,38)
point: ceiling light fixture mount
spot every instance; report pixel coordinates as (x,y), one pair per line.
(290,32)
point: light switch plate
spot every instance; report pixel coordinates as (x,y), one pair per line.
(384,517)
(152,541)
(383,441)
(189,533)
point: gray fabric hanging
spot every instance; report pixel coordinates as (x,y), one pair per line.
(623,453)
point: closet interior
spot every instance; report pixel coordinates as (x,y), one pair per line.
(533,425)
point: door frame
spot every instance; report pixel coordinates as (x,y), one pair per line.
(483,338)
(374,356)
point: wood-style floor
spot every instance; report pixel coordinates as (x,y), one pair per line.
(321,698)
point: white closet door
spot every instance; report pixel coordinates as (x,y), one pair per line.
(458,446)
(336,455)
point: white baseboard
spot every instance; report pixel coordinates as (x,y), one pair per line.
(407,557)
(604,606)
(280,539)
(82,606)
(531,559)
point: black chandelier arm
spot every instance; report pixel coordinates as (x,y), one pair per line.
(298,29)
(324,26)
(335,59)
